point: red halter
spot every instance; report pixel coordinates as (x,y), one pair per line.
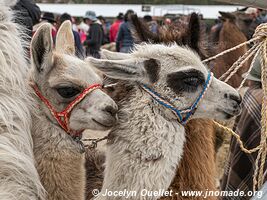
(63,116)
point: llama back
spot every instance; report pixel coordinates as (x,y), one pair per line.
(19,177)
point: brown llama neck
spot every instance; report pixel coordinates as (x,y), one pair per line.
(196,170)
(230,36)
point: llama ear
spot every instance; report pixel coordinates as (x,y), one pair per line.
(193,35)
(227,15)
(65,39)
(140,70)
(41,46)
(193,31)
(109,55)
(141,32)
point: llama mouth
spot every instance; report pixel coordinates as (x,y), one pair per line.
(230,113)
(101,124)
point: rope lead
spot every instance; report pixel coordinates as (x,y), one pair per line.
(259,48)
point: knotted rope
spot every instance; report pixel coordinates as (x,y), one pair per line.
(259,47)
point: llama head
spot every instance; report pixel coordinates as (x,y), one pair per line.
(243,21)
(176,73)
(61,77)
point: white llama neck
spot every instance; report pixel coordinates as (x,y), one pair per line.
(144,149)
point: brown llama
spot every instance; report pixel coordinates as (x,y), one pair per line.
(200,134)
(229,36)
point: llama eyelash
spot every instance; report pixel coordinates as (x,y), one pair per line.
(185,81)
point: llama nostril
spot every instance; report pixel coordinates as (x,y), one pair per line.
(236,98)
(112,110)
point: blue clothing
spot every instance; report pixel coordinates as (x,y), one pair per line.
(124,38)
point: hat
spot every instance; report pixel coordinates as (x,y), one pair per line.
(251,11)
(49,17)
(120,16)
(255,73)
(90,15)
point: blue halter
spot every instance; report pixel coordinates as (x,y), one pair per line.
(179,113)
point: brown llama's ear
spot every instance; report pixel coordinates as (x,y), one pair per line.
(192,35)
(65,39)
(227,15)
(140,31)
(42,47)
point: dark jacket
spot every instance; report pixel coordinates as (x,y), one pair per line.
(124,37)
(78,45)
(27,14)
(94,40)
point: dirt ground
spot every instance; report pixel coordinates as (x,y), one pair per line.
(88,134)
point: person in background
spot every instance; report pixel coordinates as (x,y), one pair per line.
(83,29)
(78,45)
(124,40)
(74,24)
(95,36)
(153,26)
(262,17)
(50,18)
(115,28)
(240,167)
(105,27)
(47,17)
(167,21)
(253,14)
(27,14)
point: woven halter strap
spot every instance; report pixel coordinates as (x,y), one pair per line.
(183,115)
(63,116)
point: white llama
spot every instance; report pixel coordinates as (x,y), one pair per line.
(165,86)
(68,99)
(19,179)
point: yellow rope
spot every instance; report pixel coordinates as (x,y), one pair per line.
(251,66)
(263,151)
(230,50)
(259,48)
(237,63)
(231,132)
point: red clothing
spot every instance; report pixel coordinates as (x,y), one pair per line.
(114,30)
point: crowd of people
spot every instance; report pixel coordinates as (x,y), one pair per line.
(90,32)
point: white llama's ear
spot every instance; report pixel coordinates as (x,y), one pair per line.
(105,54)
(65,39)
(41,46)
(141,70)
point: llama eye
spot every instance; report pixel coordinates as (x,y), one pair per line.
(192,81)
(68,92)
(185,81)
